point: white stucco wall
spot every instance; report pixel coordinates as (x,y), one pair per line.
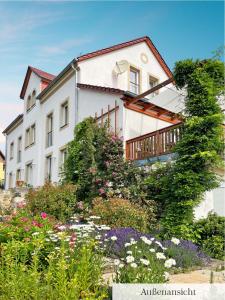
(11,164)
(98,70)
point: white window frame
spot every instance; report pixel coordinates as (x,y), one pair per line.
(49,130)
(64,117)
(155,81)
(19,149)
(48,167)
(29,173)
(11,150)
(135,86)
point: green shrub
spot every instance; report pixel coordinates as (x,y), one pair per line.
(211,235)
(118,212)
(58,201)
(67,275)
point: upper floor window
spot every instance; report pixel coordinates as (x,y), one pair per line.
(11,150)
(153,81)
(49,133)
(19,149)
(64,114)
(134,80)
(31,100)
(30,136)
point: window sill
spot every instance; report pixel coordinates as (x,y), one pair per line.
(64,126)
(29,146)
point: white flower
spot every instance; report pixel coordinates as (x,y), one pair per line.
(133,242)
(62,227)
(144,261)
(116,262)
(166,275)
(114,238)
(129,252)
(98,237)
(47,240)
(130,259)
(160,255)
(94,217)
(133,265)
(158,243)
(35,233)
(121,266)
(169,263)
(127,244)
(146,240)
(152,239)
(152,250)
(175,241)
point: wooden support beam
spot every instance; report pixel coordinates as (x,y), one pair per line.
(152,90)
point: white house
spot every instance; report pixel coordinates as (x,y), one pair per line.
(101,84)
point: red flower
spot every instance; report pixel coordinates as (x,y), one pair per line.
(44,215)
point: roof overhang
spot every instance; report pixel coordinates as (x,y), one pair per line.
(15,123)
(47,77)
(145,107)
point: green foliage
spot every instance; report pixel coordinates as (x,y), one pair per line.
(211,235)
(118,213)
(58,201)
(199,151)
(66,276)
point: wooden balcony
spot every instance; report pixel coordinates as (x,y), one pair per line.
(156,143)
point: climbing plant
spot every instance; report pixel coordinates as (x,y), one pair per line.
(198,154)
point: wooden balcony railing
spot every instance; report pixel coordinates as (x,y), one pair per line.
(153,144)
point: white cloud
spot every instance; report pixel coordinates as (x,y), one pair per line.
(64,46)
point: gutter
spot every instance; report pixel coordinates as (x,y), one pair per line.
(76,70)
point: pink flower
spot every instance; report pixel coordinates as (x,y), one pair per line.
(101,191)
(44,215)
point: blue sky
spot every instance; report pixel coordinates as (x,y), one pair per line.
(48,35)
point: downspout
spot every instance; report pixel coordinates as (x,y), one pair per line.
(76,69)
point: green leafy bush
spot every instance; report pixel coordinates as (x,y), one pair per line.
(117,212)
(58,201)
(211,235)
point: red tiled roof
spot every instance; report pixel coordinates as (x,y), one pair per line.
(100,88)
(43,75)
(145,39)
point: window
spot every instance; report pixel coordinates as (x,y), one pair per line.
(19,149)
(62,158)
(27,138)
(48,175)
(31,100)
(49,134)
(29,174)
(28,102)
(134,81)
(10,180)
(152,83)
(11,150)
(64,114)
(18,174)
(30,136)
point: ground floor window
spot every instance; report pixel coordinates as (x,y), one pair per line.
(48,175)
(29,174)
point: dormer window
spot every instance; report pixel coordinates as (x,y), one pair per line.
(31,100)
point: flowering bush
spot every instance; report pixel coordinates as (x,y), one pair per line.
(144,261)
(41,259)
(184,252)
(58,201)
(118,212)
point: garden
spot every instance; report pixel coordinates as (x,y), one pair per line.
(110,216)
